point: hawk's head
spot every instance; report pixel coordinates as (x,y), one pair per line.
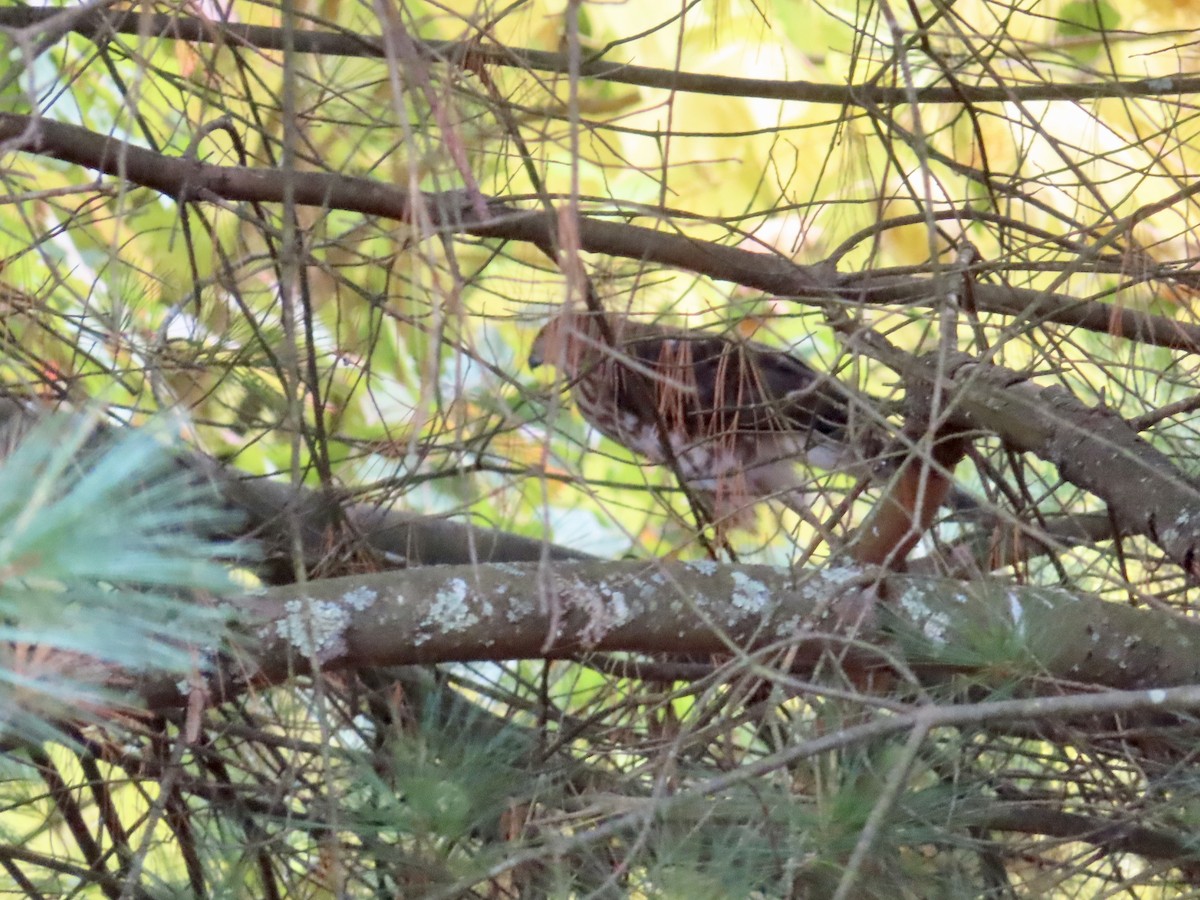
(547,346)
(566,341)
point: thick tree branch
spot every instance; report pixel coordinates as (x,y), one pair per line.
(1111,835)
(506,611)
(334,530)
(455,211)
(100,23)
(873,288)
(1092,447)
(1003,543)
(338,536)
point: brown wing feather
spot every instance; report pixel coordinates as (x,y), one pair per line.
(736,414)
(727,404)
(745,386)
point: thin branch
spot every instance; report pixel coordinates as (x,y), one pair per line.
(1005,542)
(333,528)
(1112,835)
(925,717)
(100,24)
(1093,447)
(455,211)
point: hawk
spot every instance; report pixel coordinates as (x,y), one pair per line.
(736,415)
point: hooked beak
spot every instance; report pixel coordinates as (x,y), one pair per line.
(537,353)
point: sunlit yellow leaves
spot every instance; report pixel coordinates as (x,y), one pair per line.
(418,335)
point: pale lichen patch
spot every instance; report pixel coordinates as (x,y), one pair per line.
(934,624)
(360,598)
(517,609)
(451,609)
(703,566)
(649,590)
(605,609)
(749,594)
(837,575)
(577,594)
(792,626)
(935,627)
(912,601)
(618,607)
(316,628)
(810,591)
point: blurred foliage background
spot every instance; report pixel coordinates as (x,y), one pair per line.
(325,347)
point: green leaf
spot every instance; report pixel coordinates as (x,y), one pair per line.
(1087,17)
(13,97)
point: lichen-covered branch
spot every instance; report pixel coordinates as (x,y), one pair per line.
(441,614)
